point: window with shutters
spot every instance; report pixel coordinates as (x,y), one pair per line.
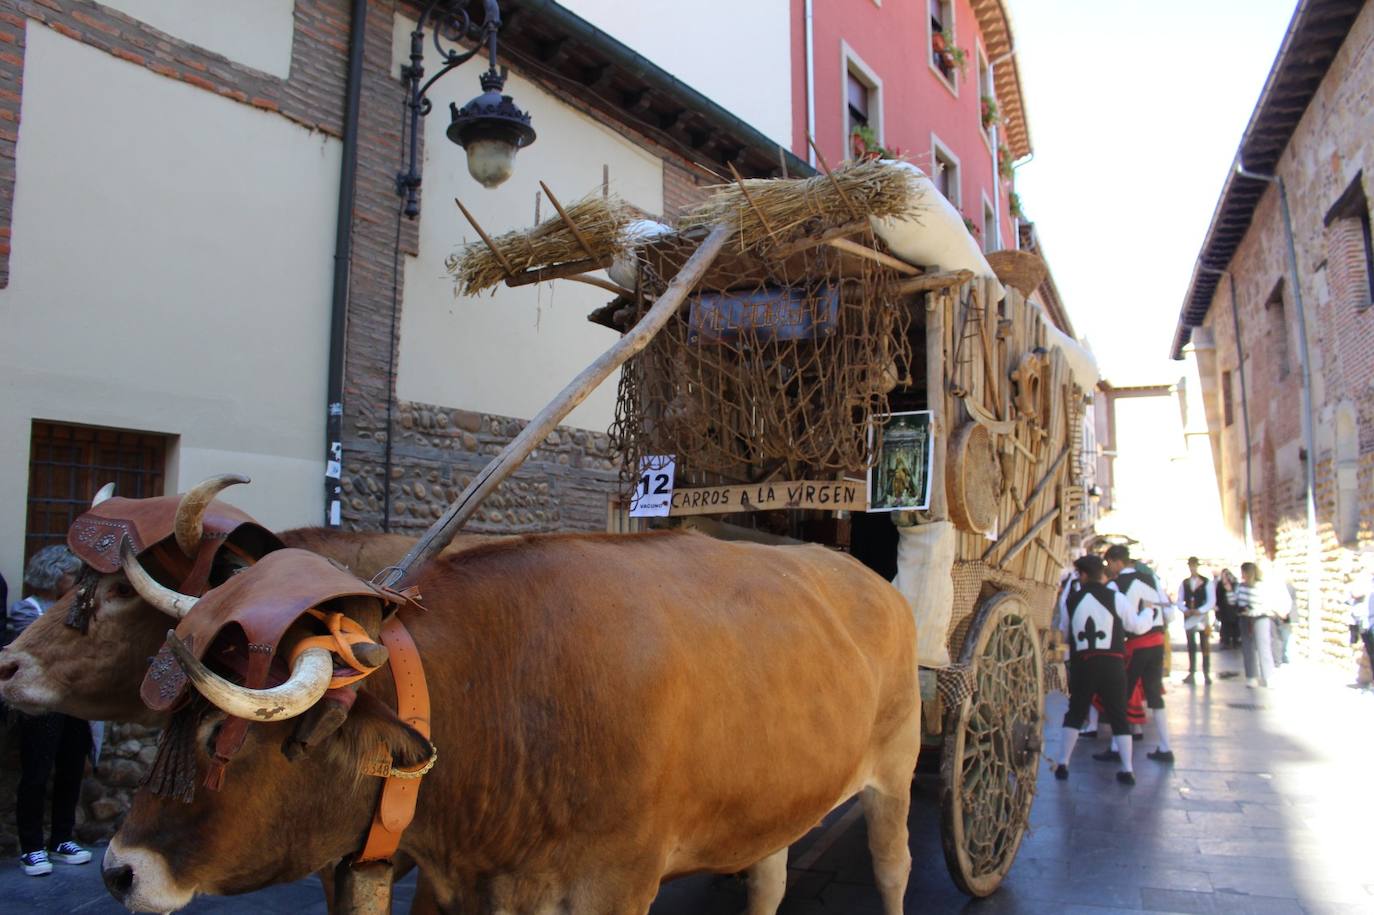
(863,97)
(69,463)
(946,172)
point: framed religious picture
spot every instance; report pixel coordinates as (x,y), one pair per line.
(904,446)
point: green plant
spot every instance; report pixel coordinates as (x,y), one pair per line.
(952,54)
(864,144)
(1016,206)
(1004,162)
(990,113)
(971,226)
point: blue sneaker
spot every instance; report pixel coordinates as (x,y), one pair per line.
(70,853)
(36,863)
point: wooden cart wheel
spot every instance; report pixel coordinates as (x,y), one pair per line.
(992,746)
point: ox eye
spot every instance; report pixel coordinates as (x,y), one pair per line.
(123,590)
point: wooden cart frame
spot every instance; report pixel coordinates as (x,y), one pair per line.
(1007,416)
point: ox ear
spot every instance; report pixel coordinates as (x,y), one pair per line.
(373,727)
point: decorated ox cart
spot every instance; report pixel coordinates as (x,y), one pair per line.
(833,359)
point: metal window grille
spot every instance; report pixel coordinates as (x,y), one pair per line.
(67,464)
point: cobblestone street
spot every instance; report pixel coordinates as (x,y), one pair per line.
(1265,812)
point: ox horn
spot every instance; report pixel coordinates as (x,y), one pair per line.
(191,512)
(173,603)
(309,680)
(105,492)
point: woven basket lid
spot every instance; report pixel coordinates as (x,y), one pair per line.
(1019,269)
(974,481)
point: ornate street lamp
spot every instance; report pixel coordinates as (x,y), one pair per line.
(490,127)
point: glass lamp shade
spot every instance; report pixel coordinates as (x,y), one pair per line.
(490,161)
(491,128)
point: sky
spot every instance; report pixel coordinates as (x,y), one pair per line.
(1136,109)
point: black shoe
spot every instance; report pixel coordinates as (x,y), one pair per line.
(1061,772)
(1138,736)
(1161,756)
(1207,678)
(1188,679)
(1126,778)
(1089,735)
(1107,756)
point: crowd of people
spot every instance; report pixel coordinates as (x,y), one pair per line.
(1114,615)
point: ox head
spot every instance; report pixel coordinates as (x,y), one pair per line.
(272,816)
(87,654)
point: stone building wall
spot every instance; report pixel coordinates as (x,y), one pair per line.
(1332,147)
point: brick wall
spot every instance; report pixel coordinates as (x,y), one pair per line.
(1332,144)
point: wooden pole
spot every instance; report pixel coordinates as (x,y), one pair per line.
(508,461)
(1050,476)
(572,226)
(887,260)
(495,251)
(784,251)
(1026,538)
(936,401)
(557,272)
(749,198)
(933,281)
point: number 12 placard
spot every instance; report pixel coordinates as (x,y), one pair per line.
(653,495)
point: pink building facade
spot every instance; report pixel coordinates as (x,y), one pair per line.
(933,80)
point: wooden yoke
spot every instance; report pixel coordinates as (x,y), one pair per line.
(442,531)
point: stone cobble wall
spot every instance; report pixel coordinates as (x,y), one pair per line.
(436,451)
(1332,146)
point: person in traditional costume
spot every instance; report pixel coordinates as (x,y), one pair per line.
(1096,619)
(1145,665)
(1197,597)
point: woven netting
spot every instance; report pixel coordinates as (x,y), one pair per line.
(974,579)
(764,370)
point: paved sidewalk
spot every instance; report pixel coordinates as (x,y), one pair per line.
(1267,812)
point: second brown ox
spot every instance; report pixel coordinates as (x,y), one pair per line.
(610,712)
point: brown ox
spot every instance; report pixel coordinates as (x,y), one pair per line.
(610,711)
(95,675)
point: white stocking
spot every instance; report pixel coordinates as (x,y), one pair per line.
(1070,738)
(1162,726)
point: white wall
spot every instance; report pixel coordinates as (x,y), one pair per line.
(738,54)
(170,272)
(255,33)
(511,352)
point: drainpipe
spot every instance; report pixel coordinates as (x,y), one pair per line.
(810,82)
(1244,403)
(1308,435)
(343,256)
(996,135)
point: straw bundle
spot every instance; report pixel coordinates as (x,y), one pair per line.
(779,209)
(600,220)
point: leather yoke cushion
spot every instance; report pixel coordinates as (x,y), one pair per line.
(95,536)
(263,601)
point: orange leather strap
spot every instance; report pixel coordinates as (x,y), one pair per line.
(397,806)
(344,633)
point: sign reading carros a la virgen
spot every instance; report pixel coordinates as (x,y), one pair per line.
(833,495)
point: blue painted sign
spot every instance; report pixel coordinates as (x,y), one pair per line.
(784,313)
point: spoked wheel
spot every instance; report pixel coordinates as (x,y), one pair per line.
(992,746)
